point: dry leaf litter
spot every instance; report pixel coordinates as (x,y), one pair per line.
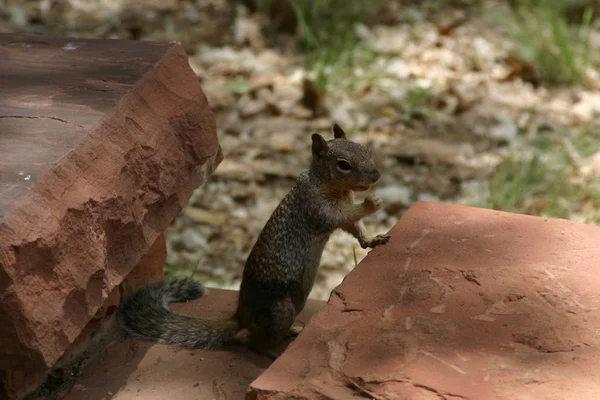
(435,105)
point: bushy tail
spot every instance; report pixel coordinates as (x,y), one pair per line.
(146,314)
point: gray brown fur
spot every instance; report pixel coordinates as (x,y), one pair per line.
(281,268)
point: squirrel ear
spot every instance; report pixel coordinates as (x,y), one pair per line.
(338,132)
(319,146)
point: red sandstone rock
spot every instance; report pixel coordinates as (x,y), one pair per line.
(148,270)
(96,334)
(102,143)
(463,303)
(137,369)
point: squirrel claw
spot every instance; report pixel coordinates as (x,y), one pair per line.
(295,330)
(383,239)
(376,241)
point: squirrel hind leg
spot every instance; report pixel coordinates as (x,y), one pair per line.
(268,332)
(182,290)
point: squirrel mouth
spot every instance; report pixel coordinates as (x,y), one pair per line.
(361,188)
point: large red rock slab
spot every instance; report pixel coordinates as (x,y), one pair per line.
(101,144)
(463,303)
(101,330)
(136,369)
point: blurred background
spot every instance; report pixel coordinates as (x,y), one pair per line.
(485,103)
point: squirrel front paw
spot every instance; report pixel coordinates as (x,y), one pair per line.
(376,241)
(372,204)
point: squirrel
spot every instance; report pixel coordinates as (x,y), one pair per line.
(281,268)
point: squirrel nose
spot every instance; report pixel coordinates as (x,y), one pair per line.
(374,176)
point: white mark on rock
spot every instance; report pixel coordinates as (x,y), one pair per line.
(439,309)
(337,353)
(387,314)
(461,357)
(416,242)
(550,274)
(498,308)
(446,363)
(387,317)
(568,295)
(407,264)
(484,317)
(71,46)
(459,240)
(408,323)
(21,172)
(28,177)
(403,291)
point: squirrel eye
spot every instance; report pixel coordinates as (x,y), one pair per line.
(344,165)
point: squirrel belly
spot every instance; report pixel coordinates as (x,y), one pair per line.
(146,314)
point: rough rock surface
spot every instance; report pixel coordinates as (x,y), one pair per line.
(102,144)
(463,303)
(137,369)
(102,329)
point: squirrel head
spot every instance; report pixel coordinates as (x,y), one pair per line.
(341,164)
